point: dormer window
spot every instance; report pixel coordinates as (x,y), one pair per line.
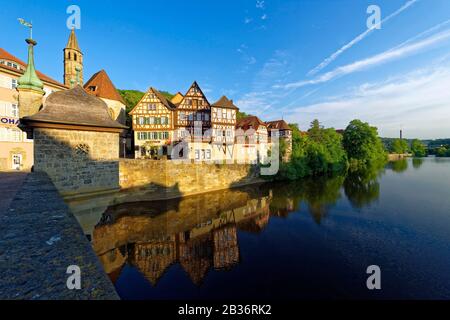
(92,88)
(10,64)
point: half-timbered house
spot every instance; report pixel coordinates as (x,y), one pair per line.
(251,140)
(153,125)
(280,129)
(193,112)
(193,124)
(223,121)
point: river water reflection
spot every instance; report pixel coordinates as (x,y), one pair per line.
(307,239)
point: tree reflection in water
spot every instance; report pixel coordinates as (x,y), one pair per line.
(398,166)
(417,163)
(200,233)
(362,187)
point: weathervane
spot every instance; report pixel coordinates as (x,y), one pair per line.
(28,25)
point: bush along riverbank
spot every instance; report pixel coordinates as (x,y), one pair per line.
(324,151)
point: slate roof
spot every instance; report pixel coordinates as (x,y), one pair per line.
(75,107)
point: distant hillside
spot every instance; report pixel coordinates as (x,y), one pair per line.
(431,144)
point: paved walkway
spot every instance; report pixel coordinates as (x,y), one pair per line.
(10,183)
(39,239)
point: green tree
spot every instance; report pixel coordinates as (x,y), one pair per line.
(315,131)
(317,153)
(362,144)
(241,115)
(131,98)
(418,148)
(442,152)
(399,146)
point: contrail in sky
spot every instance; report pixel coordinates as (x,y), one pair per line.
(359,38)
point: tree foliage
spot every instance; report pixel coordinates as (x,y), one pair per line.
(418,149)
(362,144)
(443,151)
(241,115)
(131,98)
(317,153)
(399,146)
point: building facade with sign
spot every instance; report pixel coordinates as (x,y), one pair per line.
(16,151)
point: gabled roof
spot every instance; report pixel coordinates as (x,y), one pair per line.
(168,104)
(177,98)
(5,55)
(224,102)
(163,99)
(250,122)
(195,85)
(100,85)
(73,42)
(278,125)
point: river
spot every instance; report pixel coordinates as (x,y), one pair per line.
(309,239)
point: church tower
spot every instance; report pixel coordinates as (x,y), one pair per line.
(73,62)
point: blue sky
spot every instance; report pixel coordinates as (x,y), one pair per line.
(274,58)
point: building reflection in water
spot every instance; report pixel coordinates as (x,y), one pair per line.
(200,233)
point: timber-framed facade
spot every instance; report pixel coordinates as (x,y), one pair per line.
(153,125)
(199,130)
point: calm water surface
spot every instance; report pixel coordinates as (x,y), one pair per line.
(308,239)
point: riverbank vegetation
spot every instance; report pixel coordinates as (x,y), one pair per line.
(322,151)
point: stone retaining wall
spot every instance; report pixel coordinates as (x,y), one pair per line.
(166,179)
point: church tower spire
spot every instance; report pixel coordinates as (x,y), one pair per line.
(73,62)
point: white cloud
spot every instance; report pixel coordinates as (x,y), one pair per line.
(419,102)
(248,20)
(264,17)
(359,38)
(248,59)
(262,97)
(260,4)
(386,56)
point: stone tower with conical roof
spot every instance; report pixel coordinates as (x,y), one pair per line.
(73,62)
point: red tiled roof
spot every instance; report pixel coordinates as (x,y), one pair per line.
(278,125)
(5,55)
(252,121)
(101,86)
(224,102)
